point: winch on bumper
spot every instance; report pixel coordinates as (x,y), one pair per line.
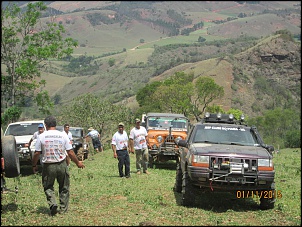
(233,175)
(25,154)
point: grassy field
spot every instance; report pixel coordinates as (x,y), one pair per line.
(99,197)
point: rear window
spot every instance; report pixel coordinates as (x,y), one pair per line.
(22,129)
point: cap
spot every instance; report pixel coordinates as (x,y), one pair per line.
(90,129)
(137,120)
(121,124)
(41,126)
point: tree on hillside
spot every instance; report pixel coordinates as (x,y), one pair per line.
(144,93)
(281,127)
(179,94)
(89,110)
(174,94)
(26,44)
(206,91)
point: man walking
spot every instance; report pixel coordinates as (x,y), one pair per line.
(138,142)
(119,146)
(52,144)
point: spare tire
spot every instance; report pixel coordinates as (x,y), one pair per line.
(10,156)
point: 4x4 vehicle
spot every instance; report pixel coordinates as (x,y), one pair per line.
(78,143)
(223,154)
(163,130)
(79,146)
(23,132)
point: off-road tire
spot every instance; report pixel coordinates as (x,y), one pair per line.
(178,179)
(151,161)
(188,197)
(10,155)
(268,203)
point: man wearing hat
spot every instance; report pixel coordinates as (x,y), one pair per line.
(138,142)
(120,149)
(95,136)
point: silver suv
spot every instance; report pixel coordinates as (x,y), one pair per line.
(23,132)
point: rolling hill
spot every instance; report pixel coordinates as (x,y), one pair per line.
(138,36)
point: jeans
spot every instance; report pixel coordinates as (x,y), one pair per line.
(123,160)
(142,159)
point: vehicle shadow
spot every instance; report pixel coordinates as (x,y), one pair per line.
(11,207)
(169,165)
(220,202)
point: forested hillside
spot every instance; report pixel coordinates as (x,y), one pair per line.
(251,49)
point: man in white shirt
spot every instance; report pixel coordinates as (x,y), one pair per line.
(69,134)
(53,144)
(35,135)
(138,142)
(96,139)
(119,145)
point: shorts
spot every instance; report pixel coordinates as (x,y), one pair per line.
(96,143)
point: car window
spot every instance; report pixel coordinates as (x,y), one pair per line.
(22,129)
(166,122)
(75,132)
(222,134)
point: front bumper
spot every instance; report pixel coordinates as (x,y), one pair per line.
(24,154)
(225,181)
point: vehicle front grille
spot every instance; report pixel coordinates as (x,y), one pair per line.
(233,171)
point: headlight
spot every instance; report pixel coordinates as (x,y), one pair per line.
(177,139)
(200,160)
(159,139)
(265,164)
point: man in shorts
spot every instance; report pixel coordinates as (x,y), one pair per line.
(95,137)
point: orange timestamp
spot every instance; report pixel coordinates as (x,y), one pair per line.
(265,194)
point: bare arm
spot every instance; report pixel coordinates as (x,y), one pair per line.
(114,150)
(74,158)
(36,157)
(29,143)
(131,144)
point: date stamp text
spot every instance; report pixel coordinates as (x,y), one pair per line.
(265,194)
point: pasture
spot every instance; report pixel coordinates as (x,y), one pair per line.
(99,197)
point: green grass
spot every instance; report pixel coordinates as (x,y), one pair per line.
(100,197)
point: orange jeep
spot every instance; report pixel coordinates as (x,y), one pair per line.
(164,129)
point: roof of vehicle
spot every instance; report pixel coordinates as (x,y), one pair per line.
(22,122)
(164,115)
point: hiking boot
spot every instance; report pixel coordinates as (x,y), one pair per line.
(138,172)
(146,172)
(127,176)
(53,209)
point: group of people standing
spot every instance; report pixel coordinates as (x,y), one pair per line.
(137,143)
(55,149)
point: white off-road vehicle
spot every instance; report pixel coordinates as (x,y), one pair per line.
(23,132)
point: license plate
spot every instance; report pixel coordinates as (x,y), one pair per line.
(236,179)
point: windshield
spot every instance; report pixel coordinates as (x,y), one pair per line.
(166,122)
(76,132)
(221,134)
(22,129)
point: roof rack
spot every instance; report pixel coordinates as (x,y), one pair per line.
(221,118)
